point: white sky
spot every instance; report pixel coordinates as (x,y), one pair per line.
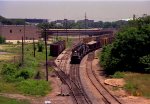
(108,10)
(75,0)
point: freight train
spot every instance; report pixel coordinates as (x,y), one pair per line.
(57,47)
(82,49)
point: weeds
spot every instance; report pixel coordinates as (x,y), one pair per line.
(14,76)
(34,87)
(118,75)
(137,84)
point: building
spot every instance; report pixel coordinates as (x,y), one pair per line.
(13,33)
(63,22)
(35,21)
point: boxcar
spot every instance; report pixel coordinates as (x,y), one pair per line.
(57,47)
(93,45)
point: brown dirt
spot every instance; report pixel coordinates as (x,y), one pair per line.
(115,82)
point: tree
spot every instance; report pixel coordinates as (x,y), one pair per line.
(132,44)
(2,40)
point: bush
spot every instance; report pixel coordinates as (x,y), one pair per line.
(118,75)
(12,73)
(131,88)
(40,47)
(129,51)
(2,40)
(8,72)
(108,61)
(8,69)
(34,87)
(25,74)
(145,61)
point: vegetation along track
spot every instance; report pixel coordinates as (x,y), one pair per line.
(78,95)
(107,97)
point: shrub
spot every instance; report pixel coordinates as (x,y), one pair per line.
(130,87)
(40,47)
(118,75)
(34,87)
(2,40)
(25,74)
(8,69)
(9,73)
(145,61)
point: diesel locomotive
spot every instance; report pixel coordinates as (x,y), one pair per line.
(82,49)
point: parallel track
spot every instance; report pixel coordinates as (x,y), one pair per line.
(75,78)
(108,98)
(76,91)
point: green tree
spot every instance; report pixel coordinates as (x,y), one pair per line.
(2,40)
(131,44)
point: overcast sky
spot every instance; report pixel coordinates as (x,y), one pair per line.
(108,10)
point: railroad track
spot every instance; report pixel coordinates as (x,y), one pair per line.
(75,89)
(75,78)
(107,97)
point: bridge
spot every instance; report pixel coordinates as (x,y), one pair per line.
(80,31)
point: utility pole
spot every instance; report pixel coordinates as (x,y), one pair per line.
(57,33)
(33,47)
(85,23)
(24,31)
(79,32)
(45,35)
(22,51)
(66,28)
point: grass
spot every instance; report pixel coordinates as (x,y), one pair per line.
(5,100)
(25,72)
(138,84)
(7,87)
(34,87)
(6,56)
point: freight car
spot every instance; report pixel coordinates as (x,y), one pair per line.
(79,52)
(94,45)
(57,47)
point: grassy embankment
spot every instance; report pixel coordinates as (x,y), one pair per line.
(137,84)
(17,78)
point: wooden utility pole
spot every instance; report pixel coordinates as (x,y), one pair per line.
(85,23)
(66,28)
(24,31)
(57,35)
(22,51)
(33,48)
(45,35)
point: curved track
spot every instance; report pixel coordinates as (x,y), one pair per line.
(75,78)
(75,89)
(108,98)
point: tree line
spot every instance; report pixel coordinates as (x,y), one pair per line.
(6,21)
(69,25)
